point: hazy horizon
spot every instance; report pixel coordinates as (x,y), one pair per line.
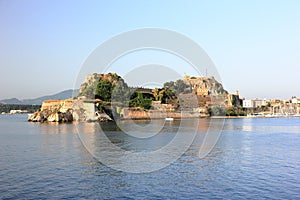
(254,45)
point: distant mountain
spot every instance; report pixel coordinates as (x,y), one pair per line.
(11,101)
(38,101)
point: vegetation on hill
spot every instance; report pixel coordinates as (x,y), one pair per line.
(216,111)
(112,89)
(236,111)
(103,86)
(178,86)
(138,100)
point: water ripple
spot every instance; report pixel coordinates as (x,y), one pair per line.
(247,163)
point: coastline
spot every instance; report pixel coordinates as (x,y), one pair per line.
(253,116)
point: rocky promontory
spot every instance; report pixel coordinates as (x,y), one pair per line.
(51,116)
(68,110)
(54,111)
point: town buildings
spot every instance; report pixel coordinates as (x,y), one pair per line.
(254,103)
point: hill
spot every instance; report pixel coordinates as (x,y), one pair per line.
(66,94)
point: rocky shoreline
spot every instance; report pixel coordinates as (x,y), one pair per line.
(51,116)
(68,110)
(60,111)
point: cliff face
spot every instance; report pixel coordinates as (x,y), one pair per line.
(89,81)
(204,86)
(89,86)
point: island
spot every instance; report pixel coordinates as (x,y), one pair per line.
(107,97)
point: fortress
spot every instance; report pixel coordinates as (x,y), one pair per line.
(61,105)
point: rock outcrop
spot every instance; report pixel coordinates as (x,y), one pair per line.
(68,111)
(54,111)
(51,116)
(204,86)
(89,86)
(40,116)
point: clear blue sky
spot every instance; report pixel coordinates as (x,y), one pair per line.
(254,44)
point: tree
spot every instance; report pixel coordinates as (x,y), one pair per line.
(161,94)
(231,112)
(170,85)
(178,87)
(156,94)
(216,111)
(103,90)
(233,101)
(140,101)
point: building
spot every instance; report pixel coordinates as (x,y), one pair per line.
(255,103)
(295,100)
(233,100)
(248,103)
(18,111)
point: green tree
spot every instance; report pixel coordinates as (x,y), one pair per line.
(233,101)
(231,112)
(140,101)
(103,90)
(216,111)
(181,86)
(161,94)
(156,94)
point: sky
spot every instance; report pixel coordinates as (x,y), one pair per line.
(255,45)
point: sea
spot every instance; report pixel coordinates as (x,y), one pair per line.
(252,158)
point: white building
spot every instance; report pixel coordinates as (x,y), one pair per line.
(17,111)
(295,100)
(254,103)
(247,103)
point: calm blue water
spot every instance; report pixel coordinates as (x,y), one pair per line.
(253,159)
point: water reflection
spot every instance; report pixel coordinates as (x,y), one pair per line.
(243,164)
(90,134)
(110,145)
(55,127)
(263,125)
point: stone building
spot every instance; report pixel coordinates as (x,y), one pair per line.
(61,105)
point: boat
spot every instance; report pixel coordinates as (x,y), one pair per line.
(169,118)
